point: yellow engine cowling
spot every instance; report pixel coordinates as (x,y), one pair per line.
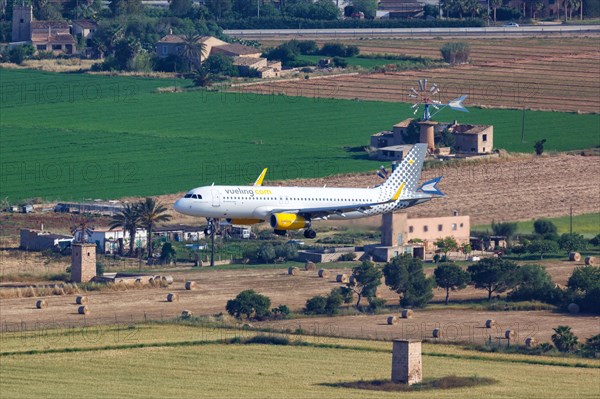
(244,222)
(288,221)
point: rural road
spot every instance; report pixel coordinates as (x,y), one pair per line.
(523,31)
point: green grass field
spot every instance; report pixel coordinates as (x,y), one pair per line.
(588,225)
(367,62)
(71,136)
(158,361)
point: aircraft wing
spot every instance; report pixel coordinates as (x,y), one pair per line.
(323,212)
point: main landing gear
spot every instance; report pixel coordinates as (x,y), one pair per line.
(310,233)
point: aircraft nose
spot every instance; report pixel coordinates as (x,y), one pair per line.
(178,205)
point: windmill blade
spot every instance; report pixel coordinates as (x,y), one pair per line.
(415,105)
(420,85)
(457,105)
(414,91)
(433,88)
(416,110)
(436,102)
(424,84)
(435,106)
(412,95)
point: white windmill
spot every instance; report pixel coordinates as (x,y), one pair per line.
(424,97)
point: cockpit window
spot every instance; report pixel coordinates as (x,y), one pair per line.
(187,196)
(196,196)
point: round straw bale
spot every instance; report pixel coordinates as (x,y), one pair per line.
(41,304)
(167,279)
(309,266)
(81,300)
(83,309)
(323,273)
(591,261)
(573,308)
(186,314)
(341,278)
(352,279)
(490,323)
(151,280)
(138,281)
(530,342)
(293,271)
(437,333)
(190,285)
(574,256)
(172,297)
(392,320)
(509,334)
(407,313)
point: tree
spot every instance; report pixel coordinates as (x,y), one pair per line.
(18,54)
(536,284)
(505,229)
(192,50)
(200,77)
(315,305)
(219,8)
(286,251)
(537,7)
(126,50)
(564,339)
(151,212)
(572,242)
(220,64)
(266,253)
(584,279)
(328,305)
(456,52)
(168,253)
(368,7)
(129,220)
(404,275)
(451,277)
(539,146)
(181,8)
(544,227)
(366,280)
(495,4)
(250,304)
(125,7)
(494,275)
(466,249)
(447,244)
(542,247)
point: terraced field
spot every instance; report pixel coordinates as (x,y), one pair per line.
(544,74)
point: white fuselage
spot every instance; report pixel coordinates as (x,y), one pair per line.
(258,202)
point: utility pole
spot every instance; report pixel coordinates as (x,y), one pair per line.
(571,221)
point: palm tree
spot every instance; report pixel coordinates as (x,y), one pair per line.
(495,4)
(129,219)
(564,339)
(193,49)
(151,212)
(201,77)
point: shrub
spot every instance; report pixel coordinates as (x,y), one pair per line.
(324,305)
(250,304)
(595,241)
(572,242)
(268,340)
(99,268)
(536,285)
(339,62)
(350,256)
(376,303)
(542,247)
(315,305)
(544,227)
(456,52)
(333,50)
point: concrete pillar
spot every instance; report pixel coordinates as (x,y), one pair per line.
(426,134)
(83,262)
(394,229)
(407,364)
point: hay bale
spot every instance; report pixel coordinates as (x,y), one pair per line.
(309,266)
(323,273)
(41,304)
(186,314)
(342,278)
(293,271)
(591,261)
(437,333)
(83,309)
(573,308)
(509,334)
(172,297)
(490,323)
(81,300)
(530,342)
(407,313)
(190,285)
(151,280)
(139,281)
(574,256)
(392,320)
(352,279)
(167,279)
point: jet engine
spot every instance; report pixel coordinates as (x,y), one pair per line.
(288,221)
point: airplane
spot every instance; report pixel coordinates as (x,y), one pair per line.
(295,208)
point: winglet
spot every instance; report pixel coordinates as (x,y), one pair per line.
(261,177)
(397,195)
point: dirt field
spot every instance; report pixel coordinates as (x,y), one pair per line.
(552,74)
(218,286)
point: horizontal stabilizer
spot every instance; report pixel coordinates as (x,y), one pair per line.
(457,105)
(430,187)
